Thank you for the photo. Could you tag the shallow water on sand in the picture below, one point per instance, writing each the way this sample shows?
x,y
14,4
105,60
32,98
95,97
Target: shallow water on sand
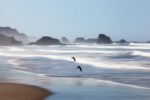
x,y
104,92
77,88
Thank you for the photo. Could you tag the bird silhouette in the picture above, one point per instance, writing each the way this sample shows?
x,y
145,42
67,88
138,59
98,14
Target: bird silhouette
x,y
79,67
74,59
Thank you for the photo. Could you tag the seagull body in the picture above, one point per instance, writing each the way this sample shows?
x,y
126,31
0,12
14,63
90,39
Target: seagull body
x,y
74,59
79,67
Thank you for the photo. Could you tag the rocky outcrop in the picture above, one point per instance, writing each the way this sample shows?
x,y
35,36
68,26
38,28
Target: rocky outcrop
x,y
80,40
65,40
103,39
46,41
91,41
10,32
122,41
8,41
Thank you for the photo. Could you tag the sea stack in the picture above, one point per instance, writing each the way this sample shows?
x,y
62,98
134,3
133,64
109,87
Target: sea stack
x,y
79,40
46,40
122,41
91,40
65,40
8,41
103,39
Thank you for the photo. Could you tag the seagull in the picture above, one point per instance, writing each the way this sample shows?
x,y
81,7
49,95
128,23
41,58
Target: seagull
x,y
79,67
74,59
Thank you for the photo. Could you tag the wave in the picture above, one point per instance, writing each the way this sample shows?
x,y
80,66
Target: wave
x,y
140,53
16,49
109,64
98,61
95,63
130,54
77,51
130,46
139,44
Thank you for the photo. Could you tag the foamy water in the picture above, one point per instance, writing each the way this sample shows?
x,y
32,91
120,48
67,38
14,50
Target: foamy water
x,y
124,64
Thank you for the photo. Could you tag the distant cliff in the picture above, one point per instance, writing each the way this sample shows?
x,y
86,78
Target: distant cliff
x,y
10,32
8,41
46,40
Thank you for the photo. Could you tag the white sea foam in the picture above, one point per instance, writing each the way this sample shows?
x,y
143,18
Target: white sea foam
x,y
115,46
98,61
16,49
78,51
140,53
132,53
140,44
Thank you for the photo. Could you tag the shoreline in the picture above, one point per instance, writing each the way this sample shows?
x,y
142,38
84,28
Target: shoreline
x,y
15,91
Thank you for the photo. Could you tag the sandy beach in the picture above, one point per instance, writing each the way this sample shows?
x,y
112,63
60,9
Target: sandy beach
x,y
11,91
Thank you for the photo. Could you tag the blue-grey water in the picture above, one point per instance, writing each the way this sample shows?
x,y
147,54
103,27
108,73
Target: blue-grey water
x,y
110,72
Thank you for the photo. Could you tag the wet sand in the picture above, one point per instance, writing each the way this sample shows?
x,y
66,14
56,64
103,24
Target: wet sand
x,y
67,88
11,91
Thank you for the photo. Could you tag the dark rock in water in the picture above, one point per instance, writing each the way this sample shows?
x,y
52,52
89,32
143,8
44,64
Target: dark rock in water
x,y
8,31
80,40
103,39
91,41
122,41
46,41
8,41
65,40
148,42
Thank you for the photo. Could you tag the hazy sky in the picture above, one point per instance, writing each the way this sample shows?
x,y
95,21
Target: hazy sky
x,y
129,19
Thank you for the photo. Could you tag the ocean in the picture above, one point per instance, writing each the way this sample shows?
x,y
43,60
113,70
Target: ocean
x,y
107,69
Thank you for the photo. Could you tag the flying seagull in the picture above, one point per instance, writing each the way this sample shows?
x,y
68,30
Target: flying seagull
x,y
74,59
79,67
